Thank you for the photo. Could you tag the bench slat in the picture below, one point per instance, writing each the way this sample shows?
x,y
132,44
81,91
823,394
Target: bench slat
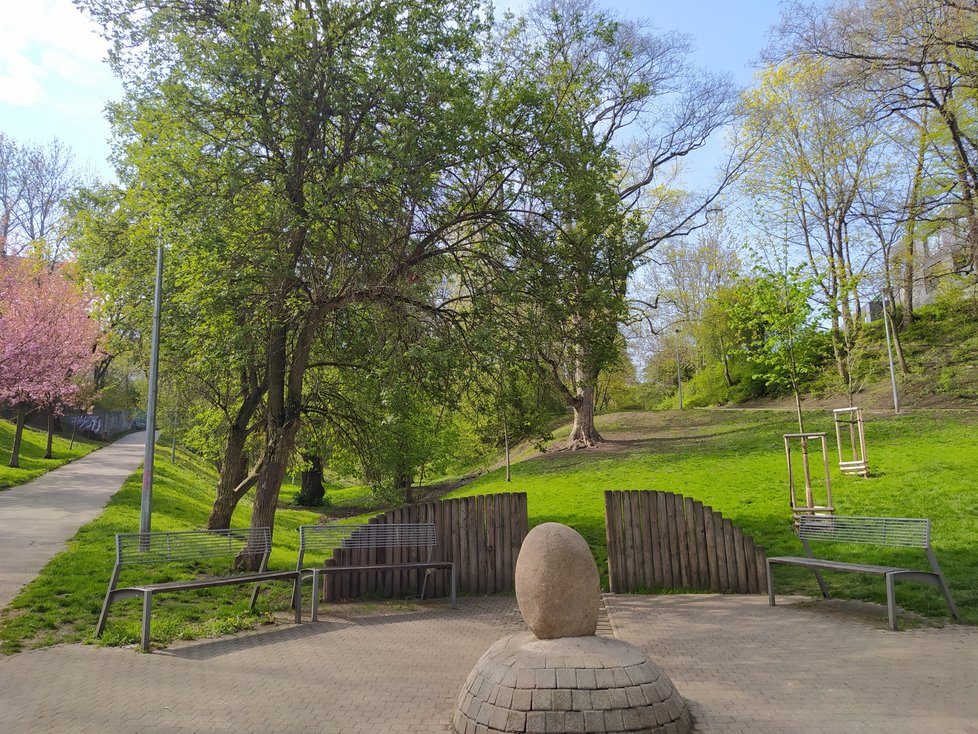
x,y
900,532
204,583
835,565
189,545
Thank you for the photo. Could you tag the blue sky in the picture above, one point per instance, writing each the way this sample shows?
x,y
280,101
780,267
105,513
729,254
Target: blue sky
x,y
53,82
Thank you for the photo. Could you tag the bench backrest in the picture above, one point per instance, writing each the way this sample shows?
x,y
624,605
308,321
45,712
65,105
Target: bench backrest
x,y
324,538
906,532
190,545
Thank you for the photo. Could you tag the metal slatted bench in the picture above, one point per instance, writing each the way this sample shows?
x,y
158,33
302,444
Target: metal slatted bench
x,y
322,539
185,547
894,532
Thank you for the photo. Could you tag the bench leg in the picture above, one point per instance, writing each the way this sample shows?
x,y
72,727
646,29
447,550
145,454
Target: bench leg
x,y
104,615
315,596
942,582
147,613
947,597
770,585
297,598
821,583
891,601
254,597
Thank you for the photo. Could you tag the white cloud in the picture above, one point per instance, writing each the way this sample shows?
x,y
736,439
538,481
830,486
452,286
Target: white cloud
x,y
53,80
20,81
45,44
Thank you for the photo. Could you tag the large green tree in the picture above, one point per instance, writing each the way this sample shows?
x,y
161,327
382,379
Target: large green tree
x,y
615,107
309,156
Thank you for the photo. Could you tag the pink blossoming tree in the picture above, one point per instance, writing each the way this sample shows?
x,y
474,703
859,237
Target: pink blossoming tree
x,y
47,342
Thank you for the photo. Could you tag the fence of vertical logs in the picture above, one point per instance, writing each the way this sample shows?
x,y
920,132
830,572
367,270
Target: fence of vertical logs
x,y
665,540
481,534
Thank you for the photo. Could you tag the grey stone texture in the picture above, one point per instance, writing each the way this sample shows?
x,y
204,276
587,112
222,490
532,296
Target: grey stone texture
x,y
561,680
557,583
743,667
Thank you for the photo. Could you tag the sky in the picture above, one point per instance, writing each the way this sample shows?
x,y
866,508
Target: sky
x,y
54,82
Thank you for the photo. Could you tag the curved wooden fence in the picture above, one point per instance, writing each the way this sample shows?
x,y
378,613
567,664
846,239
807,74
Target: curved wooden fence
x,y
481,534
665,540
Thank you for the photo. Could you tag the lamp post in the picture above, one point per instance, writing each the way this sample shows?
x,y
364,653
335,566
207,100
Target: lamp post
x,y
889,354
679,373
146,499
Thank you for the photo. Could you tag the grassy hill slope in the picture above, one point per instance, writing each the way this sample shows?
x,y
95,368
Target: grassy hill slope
x,y
63,603
923,465
32,463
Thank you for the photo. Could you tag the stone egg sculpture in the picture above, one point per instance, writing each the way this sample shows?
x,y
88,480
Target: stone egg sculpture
x,y
560,676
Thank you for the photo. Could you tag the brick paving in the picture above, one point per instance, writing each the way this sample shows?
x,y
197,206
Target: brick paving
x,y
800,668
743,666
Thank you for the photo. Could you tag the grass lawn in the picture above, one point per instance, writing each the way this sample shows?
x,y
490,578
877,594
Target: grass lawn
x,y
63,603
922,465
32,448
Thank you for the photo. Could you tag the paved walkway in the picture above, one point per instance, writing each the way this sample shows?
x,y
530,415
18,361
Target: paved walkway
x,y
38,517
743,666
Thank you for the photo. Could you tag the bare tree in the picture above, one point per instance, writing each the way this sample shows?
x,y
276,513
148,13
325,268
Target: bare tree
x,y
912,57
35,181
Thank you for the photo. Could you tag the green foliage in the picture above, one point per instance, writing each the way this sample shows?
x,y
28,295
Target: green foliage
x,y
775,325
32,449
63,603
922,466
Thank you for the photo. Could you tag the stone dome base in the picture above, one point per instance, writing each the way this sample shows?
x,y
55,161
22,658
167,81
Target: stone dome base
x,y
569,684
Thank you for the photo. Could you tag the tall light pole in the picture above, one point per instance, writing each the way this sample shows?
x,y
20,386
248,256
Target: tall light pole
x,y
889,354
146,500
679,373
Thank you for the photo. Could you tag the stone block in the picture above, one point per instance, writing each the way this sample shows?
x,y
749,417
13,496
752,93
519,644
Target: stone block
x,y
522,700
555,722
536,722
594,722
543,700
546,678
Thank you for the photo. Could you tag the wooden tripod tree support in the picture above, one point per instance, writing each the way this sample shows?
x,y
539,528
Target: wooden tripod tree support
x,y
808,506
852,418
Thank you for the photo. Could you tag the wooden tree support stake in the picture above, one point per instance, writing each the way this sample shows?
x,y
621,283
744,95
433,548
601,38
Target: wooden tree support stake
x,y
808,506
851,419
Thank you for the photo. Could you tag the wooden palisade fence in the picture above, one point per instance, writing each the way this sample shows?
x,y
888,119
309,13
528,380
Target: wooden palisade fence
x,y
481,534
665,540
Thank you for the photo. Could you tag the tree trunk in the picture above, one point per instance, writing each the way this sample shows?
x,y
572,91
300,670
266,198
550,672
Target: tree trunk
x,y
234,471
506,446
311,489
838,349
584,434
231,483
403,483
270,478
895,336
48,452
282,413
801,421
18,435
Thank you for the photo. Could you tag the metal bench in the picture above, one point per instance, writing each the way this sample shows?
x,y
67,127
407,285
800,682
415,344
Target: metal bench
x,y
185,547
322,539
895,532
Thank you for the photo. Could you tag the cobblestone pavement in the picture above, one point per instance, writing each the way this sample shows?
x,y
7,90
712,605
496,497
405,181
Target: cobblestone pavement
x,y
38,517
743,666
802,668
